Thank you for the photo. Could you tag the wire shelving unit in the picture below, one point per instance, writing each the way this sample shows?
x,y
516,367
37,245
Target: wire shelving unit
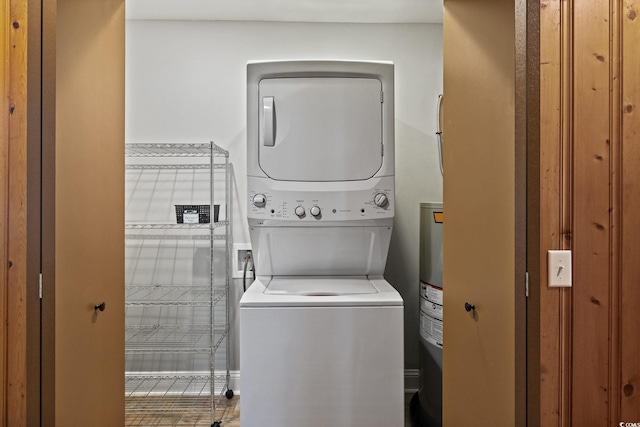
x,y
177,284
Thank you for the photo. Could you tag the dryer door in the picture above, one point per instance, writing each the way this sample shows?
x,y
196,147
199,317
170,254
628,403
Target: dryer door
x,y
320,129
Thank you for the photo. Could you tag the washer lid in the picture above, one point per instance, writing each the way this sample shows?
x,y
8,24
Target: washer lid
x,y
320,129
316,291
320,286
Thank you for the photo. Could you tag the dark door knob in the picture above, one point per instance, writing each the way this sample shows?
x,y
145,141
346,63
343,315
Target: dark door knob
x,y
100,306
469,307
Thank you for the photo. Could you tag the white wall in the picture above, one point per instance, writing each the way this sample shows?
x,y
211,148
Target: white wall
x,y
186,82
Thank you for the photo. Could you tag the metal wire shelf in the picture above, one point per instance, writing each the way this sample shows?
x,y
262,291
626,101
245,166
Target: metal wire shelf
x,y
171,166
172,338
173,231
182,384
172,295
175,399
174,150
131,236
173,226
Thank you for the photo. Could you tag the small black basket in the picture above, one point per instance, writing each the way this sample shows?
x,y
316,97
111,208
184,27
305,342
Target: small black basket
x,y
203,212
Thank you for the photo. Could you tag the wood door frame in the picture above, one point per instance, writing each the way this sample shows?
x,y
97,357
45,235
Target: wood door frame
x,y
550,350
34,208
48,325
526,96
533,192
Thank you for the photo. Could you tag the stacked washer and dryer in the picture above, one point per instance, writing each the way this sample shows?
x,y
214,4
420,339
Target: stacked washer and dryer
x,y
321,331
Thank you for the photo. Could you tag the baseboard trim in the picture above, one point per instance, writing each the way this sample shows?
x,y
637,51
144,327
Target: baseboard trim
x,y
234,382
410,381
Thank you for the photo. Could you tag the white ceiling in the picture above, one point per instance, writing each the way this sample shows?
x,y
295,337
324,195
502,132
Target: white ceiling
x,y
356,11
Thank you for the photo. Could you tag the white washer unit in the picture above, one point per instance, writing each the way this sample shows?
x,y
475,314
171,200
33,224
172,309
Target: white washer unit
x,y
321,331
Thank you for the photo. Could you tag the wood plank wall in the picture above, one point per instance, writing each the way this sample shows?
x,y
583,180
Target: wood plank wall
x,y
4,197
591,223
590,187
16,220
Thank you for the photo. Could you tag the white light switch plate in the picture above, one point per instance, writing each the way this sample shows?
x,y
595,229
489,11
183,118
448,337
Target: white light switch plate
x,y
559,269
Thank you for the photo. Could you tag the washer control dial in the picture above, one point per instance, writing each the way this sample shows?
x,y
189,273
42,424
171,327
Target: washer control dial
x,y
300,211
259,200
381,200
315,211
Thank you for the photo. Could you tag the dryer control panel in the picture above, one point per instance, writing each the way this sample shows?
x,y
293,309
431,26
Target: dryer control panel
x,y
374,202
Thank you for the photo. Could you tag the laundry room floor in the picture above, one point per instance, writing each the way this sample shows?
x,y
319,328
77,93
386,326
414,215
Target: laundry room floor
x,y
191,413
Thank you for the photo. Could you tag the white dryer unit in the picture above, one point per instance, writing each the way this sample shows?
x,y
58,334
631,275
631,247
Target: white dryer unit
x,y
321,331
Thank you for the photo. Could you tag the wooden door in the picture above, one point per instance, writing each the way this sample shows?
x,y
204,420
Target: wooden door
x,y
484,257
83,216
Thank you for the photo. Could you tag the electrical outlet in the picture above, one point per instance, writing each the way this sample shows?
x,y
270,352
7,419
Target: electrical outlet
x,y
559,269
239,254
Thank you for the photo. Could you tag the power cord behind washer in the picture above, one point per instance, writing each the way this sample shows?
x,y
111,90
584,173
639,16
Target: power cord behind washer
x,y
248,259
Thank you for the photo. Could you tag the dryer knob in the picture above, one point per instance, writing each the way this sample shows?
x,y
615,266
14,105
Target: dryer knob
x,y
300,211
381,200
259,200
315,211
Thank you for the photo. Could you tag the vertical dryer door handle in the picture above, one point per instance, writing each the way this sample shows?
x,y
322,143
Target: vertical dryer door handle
x,y
268,121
